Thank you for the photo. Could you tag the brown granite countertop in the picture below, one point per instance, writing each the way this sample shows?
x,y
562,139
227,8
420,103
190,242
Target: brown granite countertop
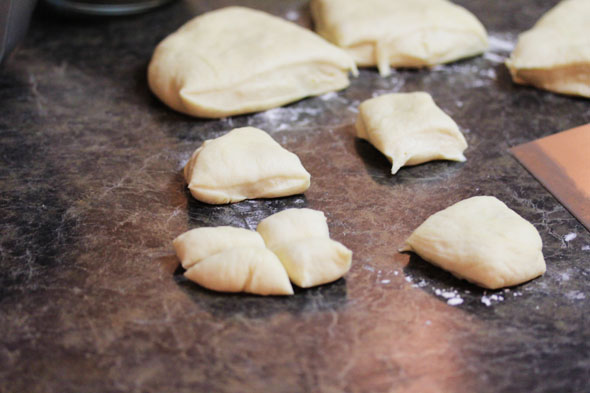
x,y
91,196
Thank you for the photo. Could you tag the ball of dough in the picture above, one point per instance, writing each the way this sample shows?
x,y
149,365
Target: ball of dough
x,y
481,240
555,54
242,269
400,33
237,60
409,129
245,163
197,244
301,240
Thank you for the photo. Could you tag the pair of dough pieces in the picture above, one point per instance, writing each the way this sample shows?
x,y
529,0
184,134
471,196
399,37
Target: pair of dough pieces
x,y
409,129
400,33
301,240
237,60
245,163
229,259
481,240
555,54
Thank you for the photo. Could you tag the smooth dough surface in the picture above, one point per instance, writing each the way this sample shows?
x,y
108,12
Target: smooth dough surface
x,y
301,240
400,33
245,163
197,244
481,240
237,60
409,129
242,269
555,54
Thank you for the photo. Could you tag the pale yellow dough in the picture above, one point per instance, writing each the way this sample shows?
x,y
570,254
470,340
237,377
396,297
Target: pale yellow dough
x,y
481,240
409,129
229,259
197,244
555,54
400,33
237,60
301,240
242,269
245,163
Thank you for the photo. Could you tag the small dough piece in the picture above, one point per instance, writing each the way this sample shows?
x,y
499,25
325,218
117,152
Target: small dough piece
x,y
237,60
409,129
400,33
245,163
291,225
197,244
555,54
242,269
481,240
314,261
301,240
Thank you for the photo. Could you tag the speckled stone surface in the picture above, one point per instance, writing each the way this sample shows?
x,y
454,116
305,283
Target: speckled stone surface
x,y
91,195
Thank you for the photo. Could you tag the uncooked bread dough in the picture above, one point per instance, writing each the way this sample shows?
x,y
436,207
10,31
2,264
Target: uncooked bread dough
x,y
245,163
481,240
231,259
197,244
237,60
301,240
242,269
409,129
400,33
555,54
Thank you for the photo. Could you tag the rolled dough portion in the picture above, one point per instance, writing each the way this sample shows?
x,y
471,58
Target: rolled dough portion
x,y
481,240
301,240
245,163
400,33
555,54
197,244
409,129
242,269
237,60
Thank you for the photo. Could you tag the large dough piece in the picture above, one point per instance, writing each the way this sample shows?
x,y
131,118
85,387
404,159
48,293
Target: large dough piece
x,y
481,240
245,163
301,240
231,259
237,60
555,54
400,33
409,129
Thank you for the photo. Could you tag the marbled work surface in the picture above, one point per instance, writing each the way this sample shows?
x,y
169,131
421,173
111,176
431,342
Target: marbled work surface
x,y
91,298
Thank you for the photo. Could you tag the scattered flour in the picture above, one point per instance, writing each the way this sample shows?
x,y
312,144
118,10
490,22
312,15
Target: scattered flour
x,y
576,295
501,43
455,301
385,281
570,236
489,300
585,248
292,15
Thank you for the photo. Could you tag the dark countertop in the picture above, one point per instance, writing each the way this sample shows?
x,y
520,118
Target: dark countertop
x,y
91,299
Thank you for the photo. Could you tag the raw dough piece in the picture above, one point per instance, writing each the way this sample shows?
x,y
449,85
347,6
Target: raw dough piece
x,y
237,60
409,129
197,244
555,54
400,33
301,240
231,259
245,163
244,269
481,240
